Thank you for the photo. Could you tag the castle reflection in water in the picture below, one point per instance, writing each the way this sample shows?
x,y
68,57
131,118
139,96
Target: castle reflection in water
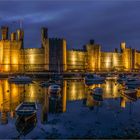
x,y
11,95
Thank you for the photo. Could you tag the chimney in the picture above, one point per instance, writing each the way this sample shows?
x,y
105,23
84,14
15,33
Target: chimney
x,y
4,30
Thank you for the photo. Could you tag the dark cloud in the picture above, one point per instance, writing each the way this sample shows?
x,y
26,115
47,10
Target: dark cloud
x,y
107,21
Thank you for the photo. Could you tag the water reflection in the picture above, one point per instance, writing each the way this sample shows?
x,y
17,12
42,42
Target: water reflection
x,y
75,90
12,95
110,89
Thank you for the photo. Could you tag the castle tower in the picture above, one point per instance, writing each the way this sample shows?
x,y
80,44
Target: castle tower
x,y
13,36
44,35
57,55
126,56
20,37
93,56
4,30
45,45
122,46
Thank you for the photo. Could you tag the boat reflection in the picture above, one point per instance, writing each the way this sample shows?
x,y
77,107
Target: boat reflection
x,y
91,102
25,125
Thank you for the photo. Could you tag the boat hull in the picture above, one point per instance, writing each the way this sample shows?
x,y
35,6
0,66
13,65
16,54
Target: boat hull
x,y
91,82
26,109
20,80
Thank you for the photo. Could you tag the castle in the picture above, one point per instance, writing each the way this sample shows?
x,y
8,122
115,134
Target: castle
x,y
53,56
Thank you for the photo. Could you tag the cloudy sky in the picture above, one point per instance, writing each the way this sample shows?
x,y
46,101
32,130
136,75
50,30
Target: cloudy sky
x,y
108,22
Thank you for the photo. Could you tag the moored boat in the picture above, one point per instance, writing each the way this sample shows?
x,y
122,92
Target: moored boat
x,y
133,81
20,79
26,108
57,77
47,83
93,79
112,76
54,91
54,88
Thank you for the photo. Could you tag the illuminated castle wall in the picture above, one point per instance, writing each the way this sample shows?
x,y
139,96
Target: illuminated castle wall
x,y
76,60
15,58
10,50
93,59
53,55
32,59
111,61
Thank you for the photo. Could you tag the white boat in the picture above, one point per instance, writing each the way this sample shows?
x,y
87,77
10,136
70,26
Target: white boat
x,y
20,79
112,76
98,94
93,79
54,88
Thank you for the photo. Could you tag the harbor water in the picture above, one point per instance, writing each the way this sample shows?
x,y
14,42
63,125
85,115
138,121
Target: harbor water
x,y
75,115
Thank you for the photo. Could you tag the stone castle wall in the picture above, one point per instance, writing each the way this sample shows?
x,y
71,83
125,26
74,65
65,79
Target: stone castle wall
x,y
53,56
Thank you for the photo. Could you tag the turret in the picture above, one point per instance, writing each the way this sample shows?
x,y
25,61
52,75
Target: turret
x,y
122,46
4,30
44,35
13,36
20,36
